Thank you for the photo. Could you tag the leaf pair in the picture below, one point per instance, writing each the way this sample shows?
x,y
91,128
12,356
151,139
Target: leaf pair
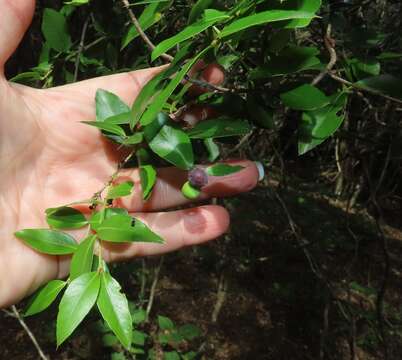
x,y
82,294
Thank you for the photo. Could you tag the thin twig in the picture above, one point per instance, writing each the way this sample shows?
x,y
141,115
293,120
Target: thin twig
x,y
141,32
360,88
220,297
80,48
17,315
153,287
330,46
169,58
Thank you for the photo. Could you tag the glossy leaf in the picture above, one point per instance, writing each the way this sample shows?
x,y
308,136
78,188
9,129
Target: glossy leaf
x,y
110,128
174,146
120,190
157,105
135,139
54,28
317,125
385,84
305,97
148,180
189,32
78,299
223,169
212,148
118,228
108,104
65,218
150,91
263,18
198,9
44,297
119,119
48,241
113,306
97,218
220,127
82,259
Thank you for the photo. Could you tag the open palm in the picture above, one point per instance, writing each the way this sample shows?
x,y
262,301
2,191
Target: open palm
x,y
49,158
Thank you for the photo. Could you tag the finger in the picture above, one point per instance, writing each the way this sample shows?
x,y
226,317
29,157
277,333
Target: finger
x,y
16,15
213,74
80,96
178,228
167,190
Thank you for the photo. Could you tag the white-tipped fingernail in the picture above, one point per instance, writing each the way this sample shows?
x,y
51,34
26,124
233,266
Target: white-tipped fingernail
x,y
261,170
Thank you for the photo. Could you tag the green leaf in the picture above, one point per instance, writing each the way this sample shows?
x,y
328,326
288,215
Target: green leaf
x,y
139,316
212,148
48,241
135,139
385,84
54,28
157,105
119,119
118,228
139,338
113,306
263,18
148,180
189,191
108,104
189,331
76,303
97,218
171,355
223,169
189,32
317,125
290,60
111,128
220,127
174,146
364,68
198,9
42,299
65,218
77,2
120,190
165,323
305,97
82,259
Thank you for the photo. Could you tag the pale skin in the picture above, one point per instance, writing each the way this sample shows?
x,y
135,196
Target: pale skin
x,y
48,158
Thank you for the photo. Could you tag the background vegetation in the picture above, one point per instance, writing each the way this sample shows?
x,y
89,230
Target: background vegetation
x,y
312,266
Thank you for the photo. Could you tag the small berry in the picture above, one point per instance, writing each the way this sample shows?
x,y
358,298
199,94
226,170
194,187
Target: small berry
x,y
198,178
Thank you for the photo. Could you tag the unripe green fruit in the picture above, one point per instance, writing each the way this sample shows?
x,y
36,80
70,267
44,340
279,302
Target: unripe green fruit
x,y
189,191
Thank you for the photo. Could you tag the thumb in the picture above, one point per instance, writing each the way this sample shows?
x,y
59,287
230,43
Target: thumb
x,y
15,17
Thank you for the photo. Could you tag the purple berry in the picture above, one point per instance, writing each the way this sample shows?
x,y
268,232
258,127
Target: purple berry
x,y
198,178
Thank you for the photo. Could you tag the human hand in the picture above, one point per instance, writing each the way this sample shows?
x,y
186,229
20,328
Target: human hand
x,y
48,158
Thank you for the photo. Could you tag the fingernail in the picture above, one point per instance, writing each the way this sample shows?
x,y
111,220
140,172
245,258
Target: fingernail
x,y
261,170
